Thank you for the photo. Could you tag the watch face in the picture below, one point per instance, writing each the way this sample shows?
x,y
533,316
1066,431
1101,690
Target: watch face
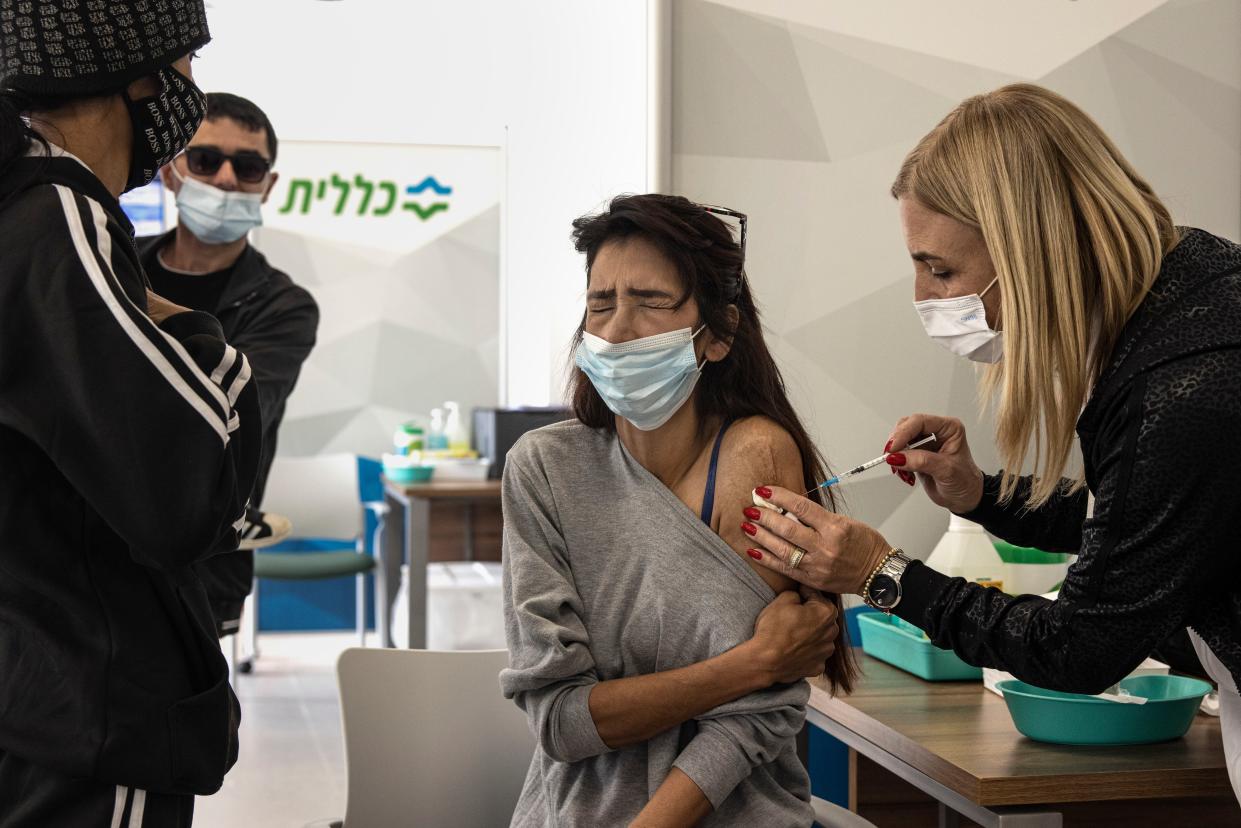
x,y
885,591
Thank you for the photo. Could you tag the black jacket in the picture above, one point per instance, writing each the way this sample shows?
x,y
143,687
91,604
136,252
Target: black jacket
x,y
273,322
127,453
1160,553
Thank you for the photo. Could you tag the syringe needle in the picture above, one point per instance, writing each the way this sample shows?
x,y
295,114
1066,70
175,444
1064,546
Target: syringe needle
x,y
870,464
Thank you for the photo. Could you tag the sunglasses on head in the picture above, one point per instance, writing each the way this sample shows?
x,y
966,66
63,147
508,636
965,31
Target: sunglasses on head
x,y
206,161
743,220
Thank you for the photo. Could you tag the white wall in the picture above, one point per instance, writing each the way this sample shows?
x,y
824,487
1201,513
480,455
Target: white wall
x,y
560,85
799,113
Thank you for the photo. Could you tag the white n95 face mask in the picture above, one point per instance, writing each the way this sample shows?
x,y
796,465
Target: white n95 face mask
x,y
644,380
213,215
960,325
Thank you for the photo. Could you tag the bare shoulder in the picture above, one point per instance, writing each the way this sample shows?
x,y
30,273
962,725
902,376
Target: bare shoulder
x,y
755,452
758,451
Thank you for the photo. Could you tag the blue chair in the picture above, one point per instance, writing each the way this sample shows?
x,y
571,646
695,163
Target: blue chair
x,y
320,496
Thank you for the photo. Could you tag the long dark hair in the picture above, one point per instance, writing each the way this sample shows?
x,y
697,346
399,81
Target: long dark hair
x,y
746,382
16,135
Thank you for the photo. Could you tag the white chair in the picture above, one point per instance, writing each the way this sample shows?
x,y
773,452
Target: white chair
x,y
829,815
429,739
319,495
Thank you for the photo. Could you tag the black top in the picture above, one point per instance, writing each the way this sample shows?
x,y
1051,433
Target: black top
x,y
197,291
270,319
127,454
708,495
1161,551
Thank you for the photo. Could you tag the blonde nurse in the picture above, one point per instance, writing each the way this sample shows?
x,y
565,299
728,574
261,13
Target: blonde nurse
x,y
1039,250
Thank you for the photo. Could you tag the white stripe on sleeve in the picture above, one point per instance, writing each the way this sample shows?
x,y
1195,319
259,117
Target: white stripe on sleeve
x,y
144,344
135,812
243,376
118,810
230,356
101,232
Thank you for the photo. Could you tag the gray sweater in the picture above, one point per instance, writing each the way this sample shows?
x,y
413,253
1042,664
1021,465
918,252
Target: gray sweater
x,y
606,575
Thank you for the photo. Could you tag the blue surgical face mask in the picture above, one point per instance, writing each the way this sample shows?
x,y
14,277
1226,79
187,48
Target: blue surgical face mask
x,y
645,380
213,215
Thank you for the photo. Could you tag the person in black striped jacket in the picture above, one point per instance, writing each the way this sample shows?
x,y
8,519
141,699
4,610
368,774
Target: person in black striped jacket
x,y
129,434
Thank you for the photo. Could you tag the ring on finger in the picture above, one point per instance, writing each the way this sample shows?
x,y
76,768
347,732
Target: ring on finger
x,y
795,558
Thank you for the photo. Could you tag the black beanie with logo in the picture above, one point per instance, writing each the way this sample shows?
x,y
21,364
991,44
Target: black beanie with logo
x,y
72,48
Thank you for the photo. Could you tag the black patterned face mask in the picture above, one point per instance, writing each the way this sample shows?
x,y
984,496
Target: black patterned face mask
x,y
163,124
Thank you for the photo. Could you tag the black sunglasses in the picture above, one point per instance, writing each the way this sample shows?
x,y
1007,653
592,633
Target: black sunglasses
x,y
206,161
743,221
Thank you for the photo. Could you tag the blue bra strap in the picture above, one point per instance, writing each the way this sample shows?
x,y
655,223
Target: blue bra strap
x,y
708,497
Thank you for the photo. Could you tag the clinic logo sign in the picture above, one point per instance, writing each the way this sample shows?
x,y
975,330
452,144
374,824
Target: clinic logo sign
x,y
360,196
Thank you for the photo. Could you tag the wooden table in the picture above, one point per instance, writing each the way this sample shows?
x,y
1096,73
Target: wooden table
x,y
956,742
406,535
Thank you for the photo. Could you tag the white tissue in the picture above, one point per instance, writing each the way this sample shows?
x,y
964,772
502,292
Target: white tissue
x,y
767,504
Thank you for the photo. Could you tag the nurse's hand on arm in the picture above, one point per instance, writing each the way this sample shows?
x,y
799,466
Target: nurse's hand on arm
x,y
841,552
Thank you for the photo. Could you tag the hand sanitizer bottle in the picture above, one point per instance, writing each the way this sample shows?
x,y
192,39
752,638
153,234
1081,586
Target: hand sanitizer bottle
x,y
437,436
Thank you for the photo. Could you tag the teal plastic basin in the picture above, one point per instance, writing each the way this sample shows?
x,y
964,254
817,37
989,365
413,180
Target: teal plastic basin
x,y
409,474
1073,719
903,645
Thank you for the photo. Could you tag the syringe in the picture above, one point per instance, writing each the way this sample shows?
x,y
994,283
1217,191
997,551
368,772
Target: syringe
x,y
870,464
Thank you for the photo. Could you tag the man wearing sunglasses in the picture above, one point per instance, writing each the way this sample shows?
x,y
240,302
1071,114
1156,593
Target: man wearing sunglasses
x,y
207,263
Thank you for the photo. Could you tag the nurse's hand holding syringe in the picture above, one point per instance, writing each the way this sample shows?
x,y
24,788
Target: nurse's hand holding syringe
x,y
948,473
870,464
836,553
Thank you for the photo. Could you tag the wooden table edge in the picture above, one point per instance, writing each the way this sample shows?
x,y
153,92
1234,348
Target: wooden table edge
x,y
932,766
1002,791
446,489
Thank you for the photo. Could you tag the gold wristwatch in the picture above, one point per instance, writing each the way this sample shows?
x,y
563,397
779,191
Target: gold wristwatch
x,y
883,588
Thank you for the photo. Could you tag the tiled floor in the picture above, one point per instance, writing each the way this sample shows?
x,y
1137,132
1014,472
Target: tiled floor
x,y
291,771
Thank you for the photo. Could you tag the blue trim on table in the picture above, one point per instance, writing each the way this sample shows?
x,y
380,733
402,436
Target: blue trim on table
x,y
829,757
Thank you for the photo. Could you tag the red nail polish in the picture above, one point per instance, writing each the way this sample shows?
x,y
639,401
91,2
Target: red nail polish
x,y
755,554
750,529
752,513
888,447
908,477
763,491
896,459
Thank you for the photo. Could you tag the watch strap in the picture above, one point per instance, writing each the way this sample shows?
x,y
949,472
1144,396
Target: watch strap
x,y
883,567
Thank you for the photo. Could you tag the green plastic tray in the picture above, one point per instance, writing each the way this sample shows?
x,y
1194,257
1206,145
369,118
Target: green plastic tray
x,y
1027,554
1072,719
889,639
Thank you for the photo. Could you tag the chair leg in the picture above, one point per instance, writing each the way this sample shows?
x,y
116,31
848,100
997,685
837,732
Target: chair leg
x,y
383,607
361,608
248,664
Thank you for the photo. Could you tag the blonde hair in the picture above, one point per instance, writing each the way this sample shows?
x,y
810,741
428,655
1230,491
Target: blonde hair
x,y
1076,237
